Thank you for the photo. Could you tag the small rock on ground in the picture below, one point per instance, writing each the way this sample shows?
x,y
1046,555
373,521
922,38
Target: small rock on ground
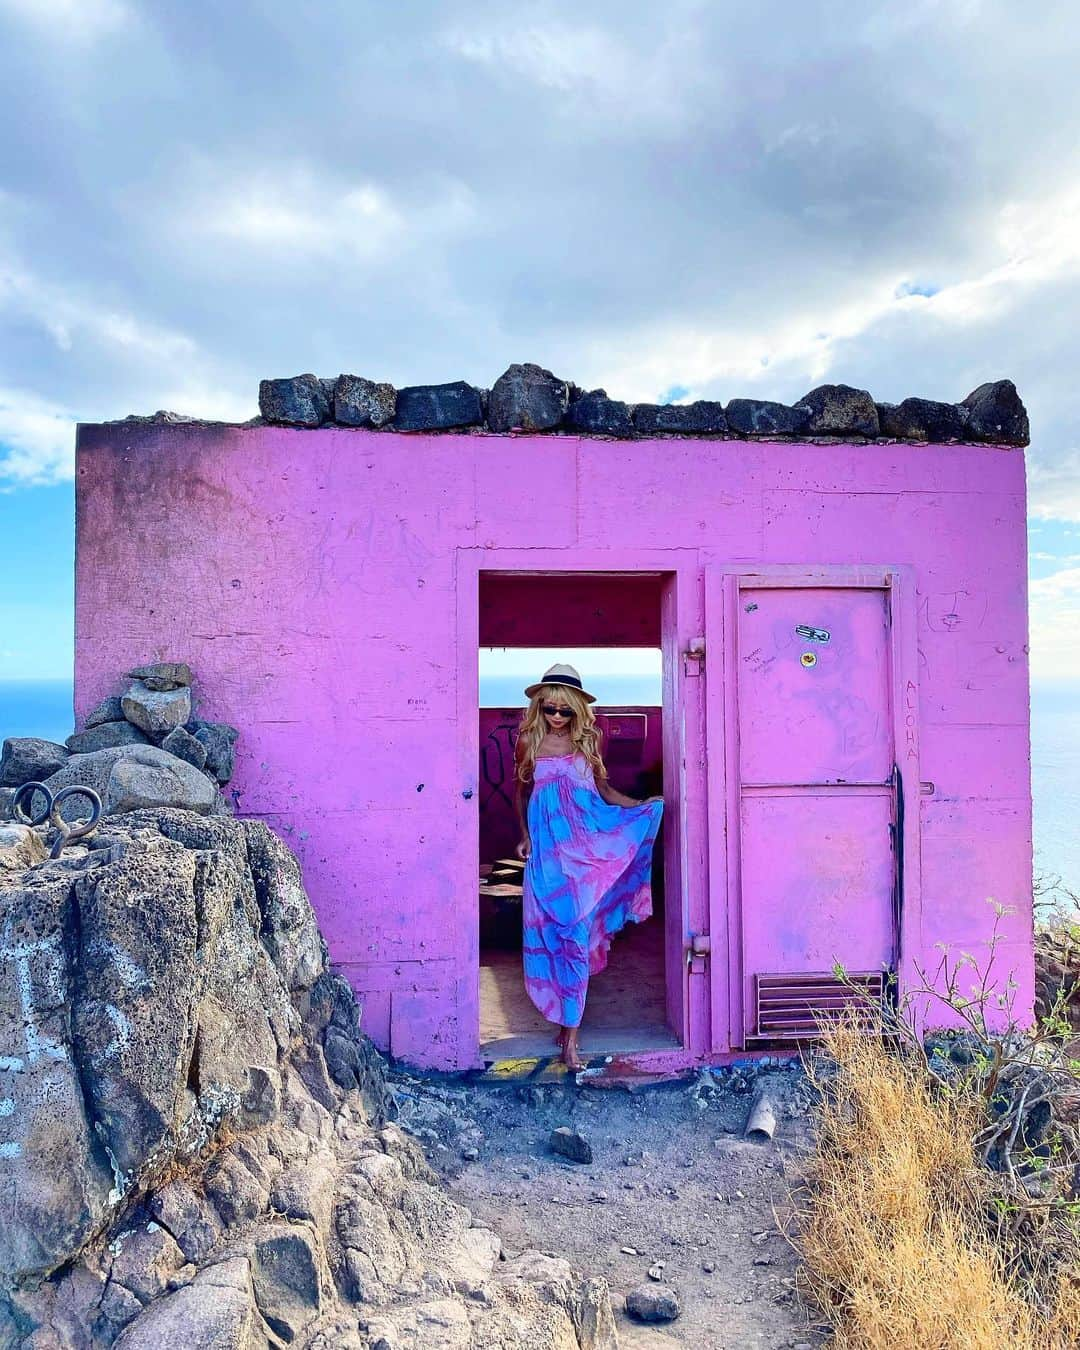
x,y
653,1303
571,1144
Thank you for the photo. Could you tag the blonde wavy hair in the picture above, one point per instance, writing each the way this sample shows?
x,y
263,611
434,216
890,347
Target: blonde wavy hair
x,y
584,733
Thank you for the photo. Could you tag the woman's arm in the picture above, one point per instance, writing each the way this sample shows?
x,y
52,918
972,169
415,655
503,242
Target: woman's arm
x,y
521,804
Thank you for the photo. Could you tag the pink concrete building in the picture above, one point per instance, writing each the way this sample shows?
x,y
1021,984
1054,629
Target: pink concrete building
x,y
842,741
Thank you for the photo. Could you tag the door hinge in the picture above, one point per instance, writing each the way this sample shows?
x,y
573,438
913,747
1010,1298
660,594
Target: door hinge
x,y
694,656
698,950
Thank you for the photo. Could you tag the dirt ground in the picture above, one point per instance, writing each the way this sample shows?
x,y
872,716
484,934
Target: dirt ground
x,y
673,1186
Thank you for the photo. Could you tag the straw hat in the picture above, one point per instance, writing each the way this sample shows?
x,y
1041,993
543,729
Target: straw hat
x,y
559,674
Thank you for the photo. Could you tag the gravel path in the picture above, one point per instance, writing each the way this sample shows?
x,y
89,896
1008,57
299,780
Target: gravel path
x,y
673,1187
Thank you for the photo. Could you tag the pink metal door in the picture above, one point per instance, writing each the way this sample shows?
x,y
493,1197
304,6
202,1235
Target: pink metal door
x,y
815,797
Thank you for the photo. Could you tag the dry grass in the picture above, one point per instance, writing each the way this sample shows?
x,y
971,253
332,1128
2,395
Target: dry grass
x,y
898,1234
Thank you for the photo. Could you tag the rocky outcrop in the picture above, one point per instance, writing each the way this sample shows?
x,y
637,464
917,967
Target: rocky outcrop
x,y
528,398
140,749
193,1142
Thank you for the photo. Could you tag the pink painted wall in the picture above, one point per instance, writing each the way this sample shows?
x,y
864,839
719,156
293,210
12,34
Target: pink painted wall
x,y
325,588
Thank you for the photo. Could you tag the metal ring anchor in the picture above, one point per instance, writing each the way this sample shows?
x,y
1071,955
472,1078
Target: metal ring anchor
x,y
20,815
51,812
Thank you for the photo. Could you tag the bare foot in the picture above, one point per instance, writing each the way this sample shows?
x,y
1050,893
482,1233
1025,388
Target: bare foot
x,y
570,1056
560,1039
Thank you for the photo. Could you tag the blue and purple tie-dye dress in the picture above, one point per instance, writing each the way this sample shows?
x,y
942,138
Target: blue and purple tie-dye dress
x,y
587,875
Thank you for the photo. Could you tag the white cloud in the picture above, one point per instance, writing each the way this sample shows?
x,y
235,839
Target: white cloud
x,y
37,437
299,214
70,20
1054,488
37,440
637,196
204,399
70,319
891,21
296,217
582,58
616,75
1036,243
1055,625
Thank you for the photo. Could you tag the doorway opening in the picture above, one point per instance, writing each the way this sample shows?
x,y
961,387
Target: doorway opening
x,y
609,627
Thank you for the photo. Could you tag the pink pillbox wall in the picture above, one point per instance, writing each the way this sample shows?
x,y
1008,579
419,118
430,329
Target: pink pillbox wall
x,y
845,720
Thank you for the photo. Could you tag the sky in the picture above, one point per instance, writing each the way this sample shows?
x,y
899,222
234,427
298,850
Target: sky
x,y
672,201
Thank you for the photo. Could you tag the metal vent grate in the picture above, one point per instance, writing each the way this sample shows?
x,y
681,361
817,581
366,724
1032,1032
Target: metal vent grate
x,y
790,1007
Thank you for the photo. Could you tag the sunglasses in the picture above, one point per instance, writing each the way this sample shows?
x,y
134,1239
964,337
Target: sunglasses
x,y
552,711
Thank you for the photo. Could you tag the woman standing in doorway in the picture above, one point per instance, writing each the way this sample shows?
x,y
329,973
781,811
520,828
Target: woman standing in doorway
x,y
588,851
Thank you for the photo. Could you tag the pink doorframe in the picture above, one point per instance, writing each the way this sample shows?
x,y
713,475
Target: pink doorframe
x,y
723,588
686,877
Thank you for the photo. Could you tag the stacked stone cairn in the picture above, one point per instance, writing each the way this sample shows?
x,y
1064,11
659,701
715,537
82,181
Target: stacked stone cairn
x,y
196,1143
528,398
140,748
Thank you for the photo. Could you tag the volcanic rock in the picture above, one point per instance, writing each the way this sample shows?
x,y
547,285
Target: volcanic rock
x,y
571,1144
363,403
300,401
759,417
527,397
921,419
163,676
437,407
688,419
108,710
105,736
839,410
596,414
653,1303
218,739
170,1178
997,414
128,778
184,745
28,759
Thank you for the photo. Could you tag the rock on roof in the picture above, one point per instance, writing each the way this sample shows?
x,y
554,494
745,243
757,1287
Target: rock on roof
x,y
528,398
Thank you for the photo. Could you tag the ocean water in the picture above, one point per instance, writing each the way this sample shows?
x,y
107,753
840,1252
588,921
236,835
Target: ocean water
x,y
36,708
44,708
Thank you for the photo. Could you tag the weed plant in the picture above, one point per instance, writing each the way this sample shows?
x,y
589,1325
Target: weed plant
x,y
942,1204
